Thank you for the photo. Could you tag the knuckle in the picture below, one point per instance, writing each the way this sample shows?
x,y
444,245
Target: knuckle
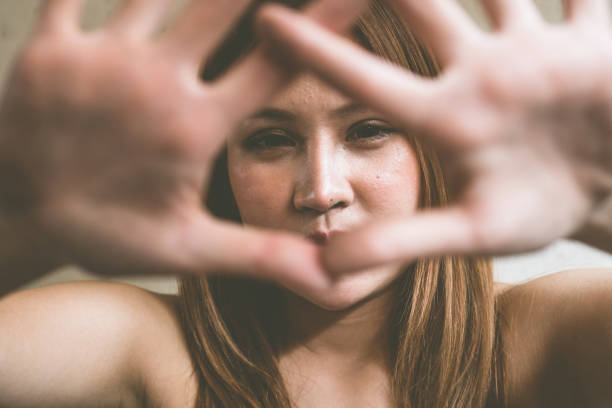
x,y
262,255
489,233
483,237
41,70
41,56
375,244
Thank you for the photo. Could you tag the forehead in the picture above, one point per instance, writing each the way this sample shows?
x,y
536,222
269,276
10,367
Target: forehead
x,y
308,93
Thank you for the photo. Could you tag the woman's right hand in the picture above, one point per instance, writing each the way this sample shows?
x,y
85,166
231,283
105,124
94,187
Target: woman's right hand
x,y
107,138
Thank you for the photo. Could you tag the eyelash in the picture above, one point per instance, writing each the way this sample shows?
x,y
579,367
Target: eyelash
x,y
382,132
264,139
258,140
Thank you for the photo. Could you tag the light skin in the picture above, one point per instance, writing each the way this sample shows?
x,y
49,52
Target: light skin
x,y
316,164
104,153
313,163
64,197
504,116
512,165
125,346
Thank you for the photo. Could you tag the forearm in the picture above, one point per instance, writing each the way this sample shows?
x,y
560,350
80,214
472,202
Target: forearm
x,y
597,231
23,255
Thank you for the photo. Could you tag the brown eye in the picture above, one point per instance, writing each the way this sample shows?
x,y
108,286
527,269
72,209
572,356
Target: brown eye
x,y
269,139
366,132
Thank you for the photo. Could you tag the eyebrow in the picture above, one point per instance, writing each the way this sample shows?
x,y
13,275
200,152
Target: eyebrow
x,y
275,114
283,115
350,109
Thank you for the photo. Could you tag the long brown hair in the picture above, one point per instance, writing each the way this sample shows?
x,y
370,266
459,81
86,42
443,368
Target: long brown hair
x,y
444,340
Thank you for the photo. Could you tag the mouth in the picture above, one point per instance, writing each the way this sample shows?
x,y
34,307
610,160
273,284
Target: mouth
x,y
321,237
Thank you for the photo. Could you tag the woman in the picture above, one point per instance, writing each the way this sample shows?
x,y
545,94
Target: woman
x,y
389,336
321,165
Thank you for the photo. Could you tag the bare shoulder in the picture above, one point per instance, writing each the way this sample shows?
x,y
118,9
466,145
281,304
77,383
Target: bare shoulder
x,y
558,339
564,298
164,362
96,340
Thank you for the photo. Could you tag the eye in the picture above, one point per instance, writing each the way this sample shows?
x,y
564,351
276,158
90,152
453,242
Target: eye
x,y
368,132
268,139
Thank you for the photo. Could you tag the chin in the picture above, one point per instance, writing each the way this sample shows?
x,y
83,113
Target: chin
x,y
357,289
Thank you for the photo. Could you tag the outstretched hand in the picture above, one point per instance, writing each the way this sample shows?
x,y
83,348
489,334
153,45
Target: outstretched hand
x,y
521,118
107,139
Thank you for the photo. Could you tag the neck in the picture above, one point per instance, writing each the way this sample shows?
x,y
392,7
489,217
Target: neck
x,y
355,336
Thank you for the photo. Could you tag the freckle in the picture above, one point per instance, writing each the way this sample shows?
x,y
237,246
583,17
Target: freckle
x,y
377,177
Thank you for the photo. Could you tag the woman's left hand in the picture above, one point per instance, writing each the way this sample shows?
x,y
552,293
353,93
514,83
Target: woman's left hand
x,y
521,117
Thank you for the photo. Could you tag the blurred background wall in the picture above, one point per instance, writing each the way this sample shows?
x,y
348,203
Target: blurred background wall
x,y
18,16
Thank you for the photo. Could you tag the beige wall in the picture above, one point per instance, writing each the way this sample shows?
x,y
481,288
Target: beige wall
x,y
16,18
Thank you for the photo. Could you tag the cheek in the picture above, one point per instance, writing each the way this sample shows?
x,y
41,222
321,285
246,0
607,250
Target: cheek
x,y
390,181
261,192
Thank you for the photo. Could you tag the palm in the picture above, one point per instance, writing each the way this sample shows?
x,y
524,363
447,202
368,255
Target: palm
x,y
504,116
112,135
508,142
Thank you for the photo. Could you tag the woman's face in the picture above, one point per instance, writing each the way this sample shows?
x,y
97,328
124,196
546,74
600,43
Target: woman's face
x,y
315,163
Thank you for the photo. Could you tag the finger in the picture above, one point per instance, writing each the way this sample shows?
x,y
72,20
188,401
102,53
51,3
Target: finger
x,y
587,11
336,15
512,13
190,244
247,86
201,26
262,74
436,232
138,18
441,24
350,68
286,259
60,15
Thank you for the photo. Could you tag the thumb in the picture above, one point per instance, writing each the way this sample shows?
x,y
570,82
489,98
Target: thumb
x,y
428,233
289,260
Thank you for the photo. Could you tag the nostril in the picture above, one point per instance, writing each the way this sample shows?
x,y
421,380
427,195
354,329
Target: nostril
x,y
320,205
339,204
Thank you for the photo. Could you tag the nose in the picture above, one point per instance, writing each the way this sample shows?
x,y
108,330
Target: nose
x,y
323,183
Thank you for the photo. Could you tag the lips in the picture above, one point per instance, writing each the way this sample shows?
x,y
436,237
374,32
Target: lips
x,y
321,237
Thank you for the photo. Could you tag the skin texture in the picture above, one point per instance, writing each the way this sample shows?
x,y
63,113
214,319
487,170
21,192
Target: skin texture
x,y
504,116
316,164
104,154
558,343
89,149
115,345
327,165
